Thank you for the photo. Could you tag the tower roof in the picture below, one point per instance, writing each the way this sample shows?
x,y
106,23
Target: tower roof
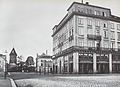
x,y
13,52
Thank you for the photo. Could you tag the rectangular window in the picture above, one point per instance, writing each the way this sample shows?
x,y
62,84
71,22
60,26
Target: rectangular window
x,y
105,33
80,42
81,10
97,31
89,11
104,14
112,25
106,44
80,30
90,31
97,23
118,26
89,22
118,45
105,25
112,44
80,21
97,12
112,35
91,43
118,36
41,64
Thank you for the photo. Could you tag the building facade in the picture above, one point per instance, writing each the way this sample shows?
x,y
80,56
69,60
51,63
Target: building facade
x,y
87,40
44,63
2,62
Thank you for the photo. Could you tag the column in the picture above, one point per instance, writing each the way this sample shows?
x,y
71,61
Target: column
x,y
68,65
75,62
110,63
94,63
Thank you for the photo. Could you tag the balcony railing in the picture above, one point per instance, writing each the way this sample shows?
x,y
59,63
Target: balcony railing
x,y
94,37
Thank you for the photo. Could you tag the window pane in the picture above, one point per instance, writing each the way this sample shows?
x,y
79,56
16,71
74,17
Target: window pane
x,y
119,36
112,35
112,25
80,21
89,22
80,42
80,30
118,26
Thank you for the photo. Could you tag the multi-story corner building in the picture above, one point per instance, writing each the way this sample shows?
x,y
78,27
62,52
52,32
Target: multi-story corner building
x,y
87,40
44,63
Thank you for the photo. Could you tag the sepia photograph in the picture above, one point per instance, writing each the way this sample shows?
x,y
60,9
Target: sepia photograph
x,y
59,43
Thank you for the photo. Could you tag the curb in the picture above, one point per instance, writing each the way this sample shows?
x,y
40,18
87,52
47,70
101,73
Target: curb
x,y
13,84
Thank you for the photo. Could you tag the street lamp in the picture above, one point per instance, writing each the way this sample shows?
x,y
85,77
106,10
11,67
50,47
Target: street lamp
x,y
5,66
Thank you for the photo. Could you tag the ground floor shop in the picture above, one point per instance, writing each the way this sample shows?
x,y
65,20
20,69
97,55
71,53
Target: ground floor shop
x,y
85,62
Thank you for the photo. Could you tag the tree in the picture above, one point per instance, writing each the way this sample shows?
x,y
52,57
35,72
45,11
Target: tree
x,y
30,61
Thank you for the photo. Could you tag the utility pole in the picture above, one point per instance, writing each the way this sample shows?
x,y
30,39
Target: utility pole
x,y
5,65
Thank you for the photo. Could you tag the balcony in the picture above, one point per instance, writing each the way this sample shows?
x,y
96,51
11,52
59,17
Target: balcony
x,y
94,37
60,44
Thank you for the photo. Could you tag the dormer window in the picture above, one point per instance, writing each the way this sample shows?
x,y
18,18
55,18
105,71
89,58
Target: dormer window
x,y
103,14
81,10
97,12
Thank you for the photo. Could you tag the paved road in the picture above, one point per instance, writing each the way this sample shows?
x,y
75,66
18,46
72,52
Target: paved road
x,y
20,75
35,80
4,82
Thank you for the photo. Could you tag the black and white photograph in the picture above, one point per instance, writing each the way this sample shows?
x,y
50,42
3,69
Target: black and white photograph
x,y
59,43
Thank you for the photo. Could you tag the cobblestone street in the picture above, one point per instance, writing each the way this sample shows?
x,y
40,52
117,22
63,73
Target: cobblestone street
x,y
72,81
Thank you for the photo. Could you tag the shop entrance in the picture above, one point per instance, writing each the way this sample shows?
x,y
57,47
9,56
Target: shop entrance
x,y
70,68
85,68
103,67
116,68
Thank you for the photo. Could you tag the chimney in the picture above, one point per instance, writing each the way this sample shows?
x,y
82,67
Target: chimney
x,y
82,1
87,3
46,52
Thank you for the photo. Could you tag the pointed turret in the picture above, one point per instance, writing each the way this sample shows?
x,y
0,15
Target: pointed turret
x,y
13,52
13,57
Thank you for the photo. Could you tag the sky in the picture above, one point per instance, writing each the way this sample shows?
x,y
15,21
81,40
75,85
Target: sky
x,y
27,25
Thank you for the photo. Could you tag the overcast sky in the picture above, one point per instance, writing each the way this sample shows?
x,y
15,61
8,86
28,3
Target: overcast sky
x,y
27,25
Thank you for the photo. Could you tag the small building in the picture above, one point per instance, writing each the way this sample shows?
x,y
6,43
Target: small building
x,y
12,61
44,63
13,57
2,63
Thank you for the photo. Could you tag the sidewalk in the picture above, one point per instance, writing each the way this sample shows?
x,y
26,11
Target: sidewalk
x,y
5,82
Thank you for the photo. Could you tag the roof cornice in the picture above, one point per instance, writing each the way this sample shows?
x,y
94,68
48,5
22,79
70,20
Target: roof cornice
x,y
66,18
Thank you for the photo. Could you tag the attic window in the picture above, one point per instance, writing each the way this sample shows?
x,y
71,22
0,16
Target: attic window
x,y
103,13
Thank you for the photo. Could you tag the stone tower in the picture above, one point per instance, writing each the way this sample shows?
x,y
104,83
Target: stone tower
x,y
13,57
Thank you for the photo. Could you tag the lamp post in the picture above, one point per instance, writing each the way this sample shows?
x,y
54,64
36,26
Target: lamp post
x,y
5,66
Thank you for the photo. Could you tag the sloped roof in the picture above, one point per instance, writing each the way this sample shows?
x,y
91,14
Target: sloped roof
x,y
44,56
13,52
